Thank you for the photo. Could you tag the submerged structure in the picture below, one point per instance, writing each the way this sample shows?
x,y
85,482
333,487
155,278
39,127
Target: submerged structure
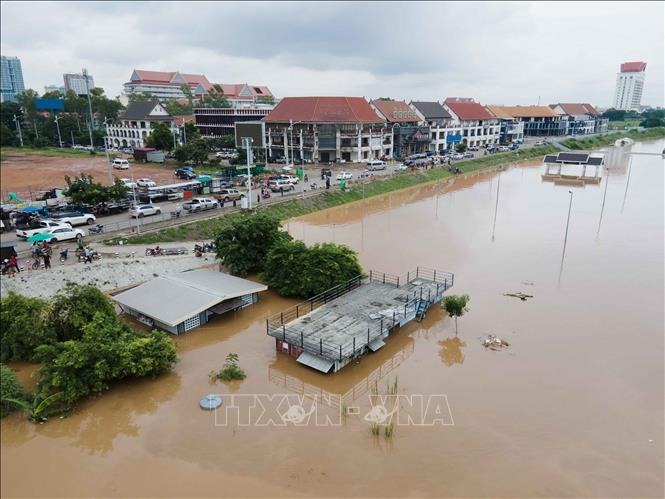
x,y
556,162
348,321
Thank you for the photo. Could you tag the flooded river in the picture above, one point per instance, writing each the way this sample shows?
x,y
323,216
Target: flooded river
x,y
573,407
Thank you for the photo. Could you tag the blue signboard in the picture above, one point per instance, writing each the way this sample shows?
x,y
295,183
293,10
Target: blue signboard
x,y
50,104
453,138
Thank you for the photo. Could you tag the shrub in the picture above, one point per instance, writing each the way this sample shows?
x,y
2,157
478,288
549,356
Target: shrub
x,y
10,388
24,327
231,370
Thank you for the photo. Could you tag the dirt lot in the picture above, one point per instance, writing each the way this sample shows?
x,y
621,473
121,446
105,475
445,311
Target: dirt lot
x,y
24,173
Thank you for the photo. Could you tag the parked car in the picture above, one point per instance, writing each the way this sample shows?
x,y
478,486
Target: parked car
x,y
121,164
473,148
129,183
280,160
227,195
468,155
145,182
280,185
401,167
326,172
186,173
539,143
74,217
458,156
200,204
65,234
144,210
504,148
293,179
518,141
376,164
43,226
287,168
344,176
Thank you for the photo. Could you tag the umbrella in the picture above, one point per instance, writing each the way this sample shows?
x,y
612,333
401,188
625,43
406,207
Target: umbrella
x,y
210,402
40,237
32,209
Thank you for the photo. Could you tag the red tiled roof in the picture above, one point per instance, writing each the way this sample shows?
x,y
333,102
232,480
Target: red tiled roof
x,y
575,109
233,90
633,67
396,111
466,109
323,110
164,78
507,112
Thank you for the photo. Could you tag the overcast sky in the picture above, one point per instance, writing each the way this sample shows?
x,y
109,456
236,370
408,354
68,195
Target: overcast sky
x,y
498,53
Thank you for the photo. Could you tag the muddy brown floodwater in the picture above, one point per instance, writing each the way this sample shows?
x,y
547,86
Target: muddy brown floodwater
x,y
573,407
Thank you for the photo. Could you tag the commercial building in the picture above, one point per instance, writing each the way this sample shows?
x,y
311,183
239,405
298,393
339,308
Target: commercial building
x,y
512,128
166,85
135,124
54,88
11,78
581,119
216,121
438,120
409,135
178,303
327,129
77,83
538,121
629,87
243,95
471,122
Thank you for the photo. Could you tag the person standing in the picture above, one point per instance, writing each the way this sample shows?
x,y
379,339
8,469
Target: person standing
x,y
47,260
14,263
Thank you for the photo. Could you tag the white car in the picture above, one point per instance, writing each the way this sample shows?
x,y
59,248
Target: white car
x,y
65,234
44,226
376,164
344,176
458,155
287,168
401,167
129,183
200,204
74,218
121,164
292,179
145,182
144,210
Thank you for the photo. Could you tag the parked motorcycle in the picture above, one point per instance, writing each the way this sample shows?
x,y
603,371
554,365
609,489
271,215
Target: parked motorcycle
x,y
97,229
199,249
157,251
63,255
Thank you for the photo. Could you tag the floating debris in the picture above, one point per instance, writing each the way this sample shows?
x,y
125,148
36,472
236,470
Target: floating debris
x,y
520,295
494,342
210,402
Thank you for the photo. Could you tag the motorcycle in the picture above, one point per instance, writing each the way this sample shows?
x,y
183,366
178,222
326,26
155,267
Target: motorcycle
x,y
63,255
153,251
199,249
97,229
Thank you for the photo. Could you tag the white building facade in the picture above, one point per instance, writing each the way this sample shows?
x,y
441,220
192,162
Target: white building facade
x,y
77,83
629,87
472,123
136,124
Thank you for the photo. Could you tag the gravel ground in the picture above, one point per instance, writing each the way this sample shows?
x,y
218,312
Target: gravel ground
x,y
111,272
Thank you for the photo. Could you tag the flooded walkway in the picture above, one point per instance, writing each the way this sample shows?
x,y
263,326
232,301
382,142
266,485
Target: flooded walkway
x,y
574,407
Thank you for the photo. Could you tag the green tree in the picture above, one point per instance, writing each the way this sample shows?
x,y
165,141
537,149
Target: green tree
x,y
292,269
160,137
27,102
243,245
215,97
101,104
24,327
75,104
84,190
8,137
140,96
614,114
266,99
10,389
175,108
461,147
53,94
231,370
192,133
456,306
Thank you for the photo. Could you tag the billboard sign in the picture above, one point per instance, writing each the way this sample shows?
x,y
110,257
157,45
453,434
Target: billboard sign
x,y
254,129
50,104
454,138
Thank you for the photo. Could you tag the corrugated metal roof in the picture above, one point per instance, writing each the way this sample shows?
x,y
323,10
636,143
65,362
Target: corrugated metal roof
x,y
172,298
316,362
431,110
323,110
376,344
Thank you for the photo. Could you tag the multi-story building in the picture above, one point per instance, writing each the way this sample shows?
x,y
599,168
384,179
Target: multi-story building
x,y
327,129
242,95
215,121
474,124
438,120
77,83
410,136
134,126
629,87
166,85
538,121
512,128
11,78
581,119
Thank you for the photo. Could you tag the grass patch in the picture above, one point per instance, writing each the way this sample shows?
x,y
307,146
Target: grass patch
x,y
609,139
206,229
41,151
622,125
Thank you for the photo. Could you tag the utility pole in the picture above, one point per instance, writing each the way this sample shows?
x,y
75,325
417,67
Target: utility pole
x,y
247,143
106,150
18,128
87,88
72,134
58,127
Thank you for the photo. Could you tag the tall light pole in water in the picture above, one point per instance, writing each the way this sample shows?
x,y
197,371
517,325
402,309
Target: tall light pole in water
x,y
496,206
602,208
247,143
565,239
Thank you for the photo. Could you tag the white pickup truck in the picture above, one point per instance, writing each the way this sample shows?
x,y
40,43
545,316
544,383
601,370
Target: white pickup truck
x,y
44,226
200,204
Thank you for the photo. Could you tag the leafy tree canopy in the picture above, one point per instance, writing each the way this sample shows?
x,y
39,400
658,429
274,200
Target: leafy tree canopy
x,y
160,137
84,190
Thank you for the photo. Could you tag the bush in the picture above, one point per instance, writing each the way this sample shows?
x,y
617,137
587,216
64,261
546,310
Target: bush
x,y
231,370
293,269
10,388
243,245
74,307
24,327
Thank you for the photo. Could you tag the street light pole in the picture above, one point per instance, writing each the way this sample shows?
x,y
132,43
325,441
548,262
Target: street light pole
x,y
247,142
602,208
106,150
87,88
18,128
58,127
570,205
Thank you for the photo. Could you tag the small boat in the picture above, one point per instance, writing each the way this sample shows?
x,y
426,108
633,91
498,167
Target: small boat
x,y
624,142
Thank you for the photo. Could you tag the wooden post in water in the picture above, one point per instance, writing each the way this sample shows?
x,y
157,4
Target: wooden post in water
x,y
354,345
302,342
340,353
321,346
368,336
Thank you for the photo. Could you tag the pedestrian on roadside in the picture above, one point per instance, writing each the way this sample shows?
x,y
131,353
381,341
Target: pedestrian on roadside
x,y
47,261
88,255
306,178
14,263
258,197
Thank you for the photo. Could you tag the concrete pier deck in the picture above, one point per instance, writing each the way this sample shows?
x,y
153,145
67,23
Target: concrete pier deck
x,y
329,330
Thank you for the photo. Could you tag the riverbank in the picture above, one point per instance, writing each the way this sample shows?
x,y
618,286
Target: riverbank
x,y
611,138
206,229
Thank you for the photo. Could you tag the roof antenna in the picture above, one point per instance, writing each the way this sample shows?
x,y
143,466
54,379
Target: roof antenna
x,y
539,100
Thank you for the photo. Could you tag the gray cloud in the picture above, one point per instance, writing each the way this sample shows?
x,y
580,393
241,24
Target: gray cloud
x,y
510,53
